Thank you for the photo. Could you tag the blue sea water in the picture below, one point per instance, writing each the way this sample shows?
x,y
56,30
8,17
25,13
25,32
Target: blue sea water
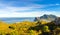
x,y
13,20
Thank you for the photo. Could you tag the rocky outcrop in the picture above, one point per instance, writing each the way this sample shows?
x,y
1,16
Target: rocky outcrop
x,y
57,21
45,17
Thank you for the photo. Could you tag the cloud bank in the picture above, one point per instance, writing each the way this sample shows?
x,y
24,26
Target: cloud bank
x,y
26,9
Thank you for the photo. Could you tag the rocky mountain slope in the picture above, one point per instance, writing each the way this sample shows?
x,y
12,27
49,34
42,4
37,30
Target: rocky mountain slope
x,y
46,17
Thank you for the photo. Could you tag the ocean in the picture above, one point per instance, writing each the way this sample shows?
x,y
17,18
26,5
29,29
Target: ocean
x,y
17,19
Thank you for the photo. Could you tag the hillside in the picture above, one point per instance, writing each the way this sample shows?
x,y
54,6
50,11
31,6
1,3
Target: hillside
x,y
37,27
29,28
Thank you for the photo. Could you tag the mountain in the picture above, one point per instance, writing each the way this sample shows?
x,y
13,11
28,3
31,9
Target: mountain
x,y
46,17
57,21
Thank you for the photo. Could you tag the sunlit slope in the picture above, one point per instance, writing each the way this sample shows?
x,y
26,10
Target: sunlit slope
x,y
3,25
29,28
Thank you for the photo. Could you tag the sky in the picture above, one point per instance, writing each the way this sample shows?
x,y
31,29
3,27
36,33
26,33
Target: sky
x,y
29,8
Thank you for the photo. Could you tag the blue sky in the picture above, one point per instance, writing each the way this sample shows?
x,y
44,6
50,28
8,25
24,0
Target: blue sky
x,y
29,8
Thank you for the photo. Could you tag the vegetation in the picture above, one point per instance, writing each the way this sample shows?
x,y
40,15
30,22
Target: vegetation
x,y
29,28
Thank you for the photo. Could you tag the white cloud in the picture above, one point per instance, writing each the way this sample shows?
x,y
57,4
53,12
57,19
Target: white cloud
x,y
8,11
26,14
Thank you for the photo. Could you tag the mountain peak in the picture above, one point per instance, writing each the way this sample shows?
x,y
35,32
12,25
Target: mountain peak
x,y
47,17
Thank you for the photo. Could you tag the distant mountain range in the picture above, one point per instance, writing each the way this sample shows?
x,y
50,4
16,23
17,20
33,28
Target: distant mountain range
x,y
46,17
17,19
